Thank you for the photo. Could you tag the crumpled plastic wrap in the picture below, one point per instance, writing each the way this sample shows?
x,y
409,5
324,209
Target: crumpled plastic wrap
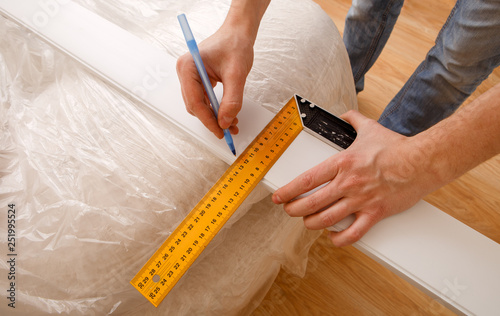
x,y
298,47
99,181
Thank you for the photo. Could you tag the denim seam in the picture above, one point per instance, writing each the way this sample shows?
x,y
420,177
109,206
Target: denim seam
x,y
373,46
397,103
445,25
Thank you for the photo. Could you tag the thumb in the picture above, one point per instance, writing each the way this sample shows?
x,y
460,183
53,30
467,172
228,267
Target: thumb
x,y
354,118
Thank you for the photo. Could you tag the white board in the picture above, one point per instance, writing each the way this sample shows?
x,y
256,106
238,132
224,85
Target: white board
x,y
429,248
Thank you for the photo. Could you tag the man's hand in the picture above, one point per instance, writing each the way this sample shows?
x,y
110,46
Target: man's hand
x,y
228,59
380,174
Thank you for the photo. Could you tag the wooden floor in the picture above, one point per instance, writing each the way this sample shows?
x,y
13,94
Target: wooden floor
x,y
345,281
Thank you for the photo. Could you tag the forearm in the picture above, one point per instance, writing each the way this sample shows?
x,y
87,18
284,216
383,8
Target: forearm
x,y
462,141
245,16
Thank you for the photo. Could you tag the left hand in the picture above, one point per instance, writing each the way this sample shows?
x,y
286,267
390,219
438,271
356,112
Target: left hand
x,y
382,173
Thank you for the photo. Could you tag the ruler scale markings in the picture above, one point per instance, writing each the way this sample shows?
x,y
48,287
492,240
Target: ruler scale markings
x,y
167,265
174,257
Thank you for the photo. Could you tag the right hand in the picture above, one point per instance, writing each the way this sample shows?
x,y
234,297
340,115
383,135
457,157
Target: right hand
x,y
381,174
228,58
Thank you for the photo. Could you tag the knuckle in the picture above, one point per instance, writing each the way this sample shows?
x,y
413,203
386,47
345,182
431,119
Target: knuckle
x,y
353,236
307,181
327,219
231,107
376,216
345,160
312,203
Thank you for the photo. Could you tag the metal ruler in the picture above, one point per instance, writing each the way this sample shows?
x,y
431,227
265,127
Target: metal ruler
x,y
169,263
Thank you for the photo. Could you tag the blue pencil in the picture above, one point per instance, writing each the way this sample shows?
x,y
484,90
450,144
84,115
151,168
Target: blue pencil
x,y
193,49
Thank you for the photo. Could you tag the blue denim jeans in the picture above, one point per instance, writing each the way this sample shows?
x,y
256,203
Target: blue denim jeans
x,y
466,51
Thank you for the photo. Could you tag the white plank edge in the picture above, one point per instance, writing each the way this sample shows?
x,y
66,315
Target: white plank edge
x,y
432,250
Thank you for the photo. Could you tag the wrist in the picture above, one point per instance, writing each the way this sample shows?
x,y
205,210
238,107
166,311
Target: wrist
x,y
243,18
429,155
412,166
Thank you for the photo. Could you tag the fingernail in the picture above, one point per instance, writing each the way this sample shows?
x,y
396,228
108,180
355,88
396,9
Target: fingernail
x,y
276,199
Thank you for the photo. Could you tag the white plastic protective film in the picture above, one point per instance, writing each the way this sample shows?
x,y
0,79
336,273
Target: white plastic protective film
x,y
99,180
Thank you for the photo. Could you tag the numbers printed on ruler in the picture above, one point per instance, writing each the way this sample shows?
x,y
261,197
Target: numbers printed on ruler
x,y
185,244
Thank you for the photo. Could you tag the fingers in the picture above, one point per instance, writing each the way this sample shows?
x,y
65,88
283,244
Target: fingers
x,y
313,203
194,95
329,216
307,181
197,103
334,214
360,181
234,128
362,224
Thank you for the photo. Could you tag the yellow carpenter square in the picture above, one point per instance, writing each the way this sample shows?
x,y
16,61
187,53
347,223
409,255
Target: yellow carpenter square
x,y
169,263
